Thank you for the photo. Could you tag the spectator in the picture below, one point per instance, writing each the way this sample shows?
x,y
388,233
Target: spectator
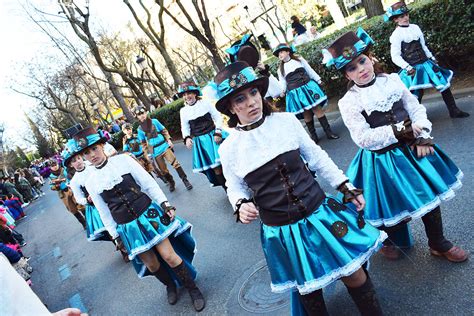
x,y
11,189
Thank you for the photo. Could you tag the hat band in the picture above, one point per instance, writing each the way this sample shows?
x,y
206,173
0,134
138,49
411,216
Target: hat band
x,y
88,141
236,81
235,49
391,13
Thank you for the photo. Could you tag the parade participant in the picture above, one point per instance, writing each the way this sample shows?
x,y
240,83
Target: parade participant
x,y
201,127
419,68
403,173
138,215
303,93
133,145
300,35
58,183
309,239
245,50
156,138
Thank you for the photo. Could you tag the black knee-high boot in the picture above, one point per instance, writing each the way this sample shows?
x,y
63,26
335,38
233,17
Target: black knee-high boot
x,y
434,231
186,279
184,178
221,180
454,111
419,94
314,304
312,131
80,217
323,120
164,277
365,299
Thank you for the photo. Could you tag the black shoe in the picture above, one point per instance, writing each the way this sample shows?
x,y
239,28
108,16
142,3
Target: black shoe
x,y
457,113
187,184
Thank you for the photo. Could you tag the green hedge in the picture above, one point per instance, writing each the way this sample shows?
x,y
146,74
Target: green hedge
x,y
448,28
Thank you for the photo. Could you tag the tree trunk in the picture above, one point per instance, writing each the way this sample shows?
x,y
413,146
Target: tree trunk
x,y
336,13
119,97
373,7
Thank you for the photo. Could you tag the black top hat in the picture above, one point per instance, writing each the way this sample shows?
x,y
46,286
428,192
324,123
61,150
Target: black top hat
x,y
86,138
234,78
396,9
188,86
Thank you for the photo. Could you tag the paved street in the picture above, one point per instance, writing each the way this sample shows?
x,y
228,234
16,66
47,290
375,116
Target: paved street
x,y
71,271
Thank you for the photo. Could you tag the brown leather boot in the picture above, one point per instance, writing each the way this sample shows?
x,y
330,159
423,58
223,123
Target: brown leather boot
x,y
184,178
171,183
314,304
171,291
365,299
186,279
390,252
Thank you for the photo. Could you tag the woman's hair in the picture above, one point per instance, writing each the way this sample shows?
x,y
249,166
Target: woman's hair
x,y
282,63
379,68
267,110
295,19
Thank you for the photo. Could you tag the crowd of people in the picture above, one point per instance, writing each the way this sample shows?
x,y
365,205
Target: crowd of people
x,y
266,163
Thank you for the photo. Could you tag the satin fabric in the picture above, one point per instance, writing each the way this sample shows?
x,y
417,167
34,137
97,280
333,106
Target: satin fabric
x,y
398,185
427,75
305,97
307,255
95,228
206,155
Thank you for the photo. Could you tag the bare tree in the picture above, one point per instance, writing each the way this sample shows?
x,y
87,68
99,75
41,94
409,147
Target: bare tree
x,y
273,22
205,36
157,37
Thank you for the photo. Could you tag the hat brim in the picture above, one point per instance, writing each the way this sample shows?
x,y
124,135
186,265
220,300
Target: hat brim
x,y
223,104
276,52
397,15
180,94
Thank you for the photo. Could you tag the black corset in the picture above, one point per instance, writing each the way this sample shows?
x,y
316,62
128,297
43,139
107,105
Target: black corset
x,y
395,115
297,78
126,201
413,53
284,190
202,125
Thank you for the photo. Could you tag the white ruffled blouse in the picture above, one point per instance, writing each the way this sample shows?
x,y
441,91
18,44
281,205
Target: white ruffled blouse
x,y
407,35
110,175
380,96
198,109
79,179
246,151
292,65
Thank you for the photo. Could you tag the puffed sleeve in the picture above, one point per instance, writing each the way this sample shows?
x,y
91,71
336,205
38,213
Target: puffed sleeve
x,y
76,191
312,74
144,180
104,212
185,129
236,186
318,160
362,134
396,51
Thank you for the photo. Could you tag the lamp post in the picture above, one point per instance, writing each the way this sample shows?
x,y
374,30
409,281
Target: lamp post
x,y
142,64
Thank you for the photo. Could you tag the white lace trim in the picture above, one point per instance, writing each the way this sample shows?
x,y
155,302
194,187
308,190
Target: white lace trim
x,y
423,210
319,283
96,234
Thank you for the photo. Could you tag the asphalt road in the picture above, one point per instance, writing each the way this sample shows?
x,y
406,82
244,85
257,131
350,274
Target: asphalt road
x,y
69,271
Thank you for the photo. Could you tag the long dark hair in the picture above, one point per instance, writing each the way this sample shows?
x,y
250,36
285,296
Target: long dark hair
x,y
282,63
379,68
267,110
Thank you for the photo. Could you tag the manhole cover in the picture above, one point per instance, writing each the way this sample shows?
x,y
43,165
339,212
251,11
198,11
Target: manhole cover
x,y
255,295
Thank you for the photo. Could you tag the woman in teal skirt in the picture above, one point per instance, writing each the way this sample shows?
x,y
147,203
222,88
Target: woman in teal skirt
x,y
419,68
138,216
403,173
201,127
309,239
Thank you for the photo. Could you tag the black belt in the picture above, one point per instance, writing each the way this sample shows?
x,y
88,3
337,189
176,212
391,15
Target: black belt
x,y
388,148
270,218
159,144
